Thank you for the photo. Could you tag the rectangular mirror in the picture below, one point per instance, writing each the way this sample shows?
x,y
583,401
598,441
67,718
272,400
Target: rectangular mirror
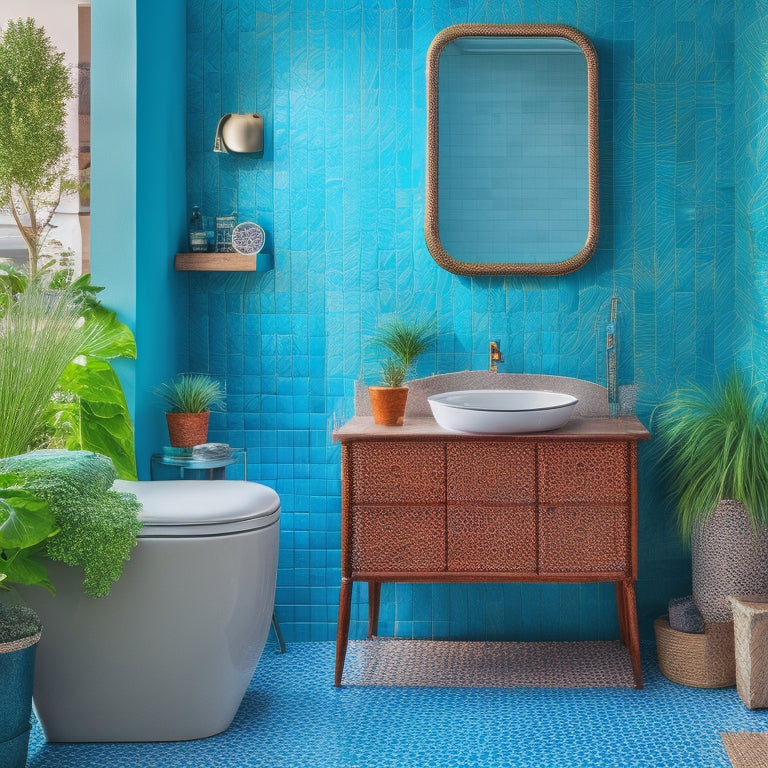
x,y
512,164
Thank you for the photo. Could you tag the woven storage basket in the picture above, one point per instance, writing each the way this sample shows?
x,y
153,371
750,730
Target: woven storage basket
x,y
701,661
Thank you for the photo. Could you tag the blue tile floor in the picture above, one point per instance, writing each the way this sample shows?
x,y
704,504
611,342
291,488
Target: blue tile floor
x,y
293,717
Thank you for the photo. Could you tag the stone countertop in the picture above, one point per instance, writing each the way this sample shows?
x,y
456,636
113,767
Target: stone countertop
x,y
593,398
425,427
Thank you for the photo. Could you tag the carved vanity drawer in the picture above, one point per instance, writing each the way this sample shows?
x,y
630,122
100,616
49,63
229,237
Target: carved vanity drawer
x,y
584,539
491,472
398,539
423,505
397,473
584,471
485,539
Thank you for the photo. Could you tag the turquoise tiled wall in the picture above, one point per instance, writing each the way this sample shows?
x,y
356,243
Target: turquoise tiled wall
x,y
340,191
751,170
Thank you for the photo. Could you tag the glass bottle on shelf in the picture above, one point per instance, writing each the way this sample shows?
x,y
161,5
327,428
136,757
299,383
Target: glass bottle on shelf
x,y
197,238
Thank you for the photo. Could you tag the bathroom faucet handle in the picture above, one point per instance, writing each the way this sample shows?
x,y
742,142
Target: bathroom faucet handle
x,y
495,356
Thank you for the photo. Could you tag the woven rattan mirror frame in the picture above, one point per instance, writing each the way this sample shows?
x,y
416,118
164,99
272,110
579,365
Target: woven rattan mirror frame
x,y
431,218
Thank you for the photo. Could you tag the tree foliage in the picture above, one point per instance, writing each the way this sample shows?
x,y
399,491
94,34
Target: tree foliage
x,y
35,86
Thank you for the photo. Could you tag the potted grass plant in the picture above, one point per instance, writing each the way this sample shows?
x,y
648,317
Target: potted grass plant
x,y
715,458
405,341
189,399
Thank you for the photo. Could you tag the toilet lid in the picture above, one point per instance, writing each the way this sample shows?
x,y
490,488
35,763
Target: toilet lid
x,y
202,507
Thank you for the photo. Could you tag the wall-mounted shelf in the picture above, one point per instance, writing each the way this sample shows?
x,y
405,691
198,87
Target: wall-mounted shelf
x,y
223,262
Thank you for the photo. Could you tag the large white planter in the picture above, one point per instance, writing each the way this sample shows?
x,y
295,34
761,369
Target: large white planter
x,y
728,558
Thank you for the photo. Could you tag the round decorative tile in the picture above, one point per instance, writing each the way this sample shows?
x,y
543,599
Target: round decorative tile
x,y
248,238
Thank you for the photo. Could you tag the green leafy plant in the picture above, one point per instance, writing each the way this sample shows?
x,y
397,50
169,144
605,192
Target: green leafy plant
x,y
55,374
406,340
35,86
65,509
191,393
90,411
714,447
26,523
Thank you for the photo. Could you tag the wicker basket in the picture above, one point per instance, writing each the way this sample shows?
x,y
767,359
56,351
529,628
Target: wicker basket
x,y
699,660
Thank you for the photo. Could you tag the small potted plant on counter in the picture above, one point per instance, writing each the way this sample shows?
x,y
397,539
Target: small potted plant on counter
x,y
405,341
189,399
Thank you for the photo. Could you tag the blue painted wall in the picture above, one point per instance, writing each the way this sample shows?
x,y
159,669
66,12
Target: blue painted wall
x,y
340,191
139,202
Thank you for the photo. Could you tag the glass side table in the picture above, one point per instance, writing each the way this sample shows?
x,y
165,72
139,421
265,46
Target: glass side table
x,y
162,467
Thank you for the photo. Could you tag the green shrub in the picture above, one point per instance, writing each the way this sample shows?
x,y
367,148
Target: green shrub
x,y
98,526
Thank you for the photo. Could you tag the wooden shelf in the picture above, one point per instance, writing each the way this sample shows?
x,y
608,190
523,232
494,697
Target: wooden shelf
x,y
223,262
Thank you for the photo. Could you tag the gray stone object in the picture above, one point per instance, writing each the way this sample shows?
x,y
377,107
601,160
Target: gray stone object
x,y
684,616
211,451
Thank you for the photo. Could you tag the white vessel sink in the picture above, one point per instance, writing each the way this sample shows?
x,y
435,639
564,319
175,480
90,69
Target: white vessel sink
x,y
501,411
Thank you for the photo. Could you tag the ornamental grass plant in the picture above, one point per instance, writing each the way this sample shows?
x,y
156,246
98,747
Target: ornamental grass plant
x,y
41,333
191,393
714,447
406,340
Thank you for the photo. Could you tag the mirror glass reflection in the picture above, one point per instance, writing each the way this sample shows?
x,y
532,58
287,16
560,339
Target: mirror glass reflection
x,y
512,163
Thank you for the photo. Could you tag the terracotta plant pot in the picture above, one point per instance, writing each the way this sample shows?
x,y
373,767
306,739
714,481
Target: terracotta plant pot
x,y
388,405
728,558
187,429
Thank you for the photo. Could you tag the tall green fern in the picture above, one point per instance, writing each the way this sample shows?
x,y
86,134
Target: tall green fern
x,y
715,446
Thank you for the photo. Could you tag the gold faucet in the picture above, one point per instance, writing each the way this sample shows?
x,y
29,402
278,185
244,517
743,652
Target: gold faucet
x,y
495,356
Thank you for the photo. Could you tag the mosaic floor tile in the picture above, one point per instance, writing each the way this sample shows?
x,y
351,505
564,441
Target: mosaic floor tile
x,y
293,717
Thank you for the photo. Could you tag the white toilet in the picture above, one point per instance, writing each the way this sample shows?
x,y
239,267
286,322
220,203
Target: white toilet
x,y
169,653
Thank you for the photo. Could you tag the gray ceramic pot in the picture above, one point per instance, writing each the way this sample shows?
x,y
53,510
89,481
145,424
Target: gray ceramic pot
x,y
728,558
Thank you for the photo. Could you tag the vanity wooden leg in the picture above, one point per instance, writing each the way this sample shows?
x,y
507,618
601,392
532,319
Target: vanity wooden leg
x,y
342,629
630,608
622,611
374,596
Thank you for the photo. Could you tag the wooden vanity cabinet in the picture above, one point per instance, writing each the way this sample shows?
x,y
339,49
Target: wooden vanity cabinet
x,y
423,504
